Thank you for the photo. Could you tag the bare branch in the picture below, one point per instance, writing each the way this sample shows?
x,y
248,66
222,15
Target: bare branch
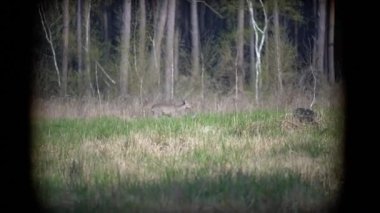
x,y
105,73
50,41
212,9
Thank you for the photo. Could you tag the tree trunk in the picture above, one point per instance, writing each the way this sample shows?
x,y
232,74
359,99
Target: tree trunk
x,y
276,20
176,53
160,21
79,45
142,38
252,60
240,46
66,21
87,79
321,37
125,42
267,68
169,51
296,38
259,42
202,18
331,42
315,39
195,41
106,30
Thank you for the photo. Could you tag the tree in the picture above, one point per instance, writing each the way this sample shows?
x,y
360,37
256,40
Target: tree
x,y
66,21
176,53
125,42
159,26
276,20
142,30
194,41
169,70
252,58
258,47
106,28
240,49
49,39
320,65
79,42
87,76
331,42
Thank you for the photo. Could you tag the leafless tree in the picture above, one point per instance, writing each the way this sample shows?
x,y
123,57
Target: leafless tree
x,y
252,59
159,26
331,42
195,41
276,20
169,70
79,42
240,49
142,37
125,43
106,28
65,38
87,76
259,42
49,38
320,65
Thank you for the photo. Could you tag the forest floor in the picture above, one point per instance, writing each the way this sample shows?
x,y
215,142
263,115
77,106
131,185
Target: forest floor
x,y
207,162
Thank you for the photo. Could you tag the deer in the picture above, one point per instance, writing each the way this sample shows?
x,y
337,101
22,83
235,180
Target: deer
x,y
169,109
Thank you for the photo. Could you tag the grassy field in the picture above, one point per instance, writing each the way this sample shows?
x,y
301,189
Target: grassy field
x,y
242,162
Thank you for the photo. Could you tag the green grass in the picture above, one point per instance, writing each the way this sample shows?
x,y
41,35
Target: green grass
x,y
210,162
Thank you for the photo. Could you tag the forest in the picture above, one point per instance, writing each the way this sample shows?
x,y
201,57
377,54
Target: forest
x,y
265,53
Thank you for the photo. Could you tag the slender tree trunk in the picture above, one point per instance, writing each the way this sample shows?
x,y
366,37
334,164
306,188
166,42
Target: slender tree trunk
x,y
240,46
195,41
252,60
66,21
296,37
125,42
87,82
79,45
315,39
259,42
142,38
276,20
321,37
267,66
176,53
160,22
106,30
202,18
169,51
331,42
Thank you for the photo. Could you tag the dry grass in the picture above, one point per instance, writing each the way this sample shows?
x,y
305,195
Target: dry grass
x,y
330,96
209,163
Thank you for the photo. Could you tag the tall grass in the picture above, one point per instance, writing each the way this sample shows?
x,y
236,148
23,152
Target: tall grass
x,y
208,162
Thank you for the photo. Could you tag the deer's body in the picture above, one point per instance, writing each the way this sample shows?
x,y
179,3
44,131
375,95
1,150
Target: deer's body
x,y
170,110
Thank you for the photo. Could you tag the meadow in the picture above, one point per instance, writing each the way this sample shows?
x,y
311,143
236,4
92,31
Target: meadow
x,y
205,162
